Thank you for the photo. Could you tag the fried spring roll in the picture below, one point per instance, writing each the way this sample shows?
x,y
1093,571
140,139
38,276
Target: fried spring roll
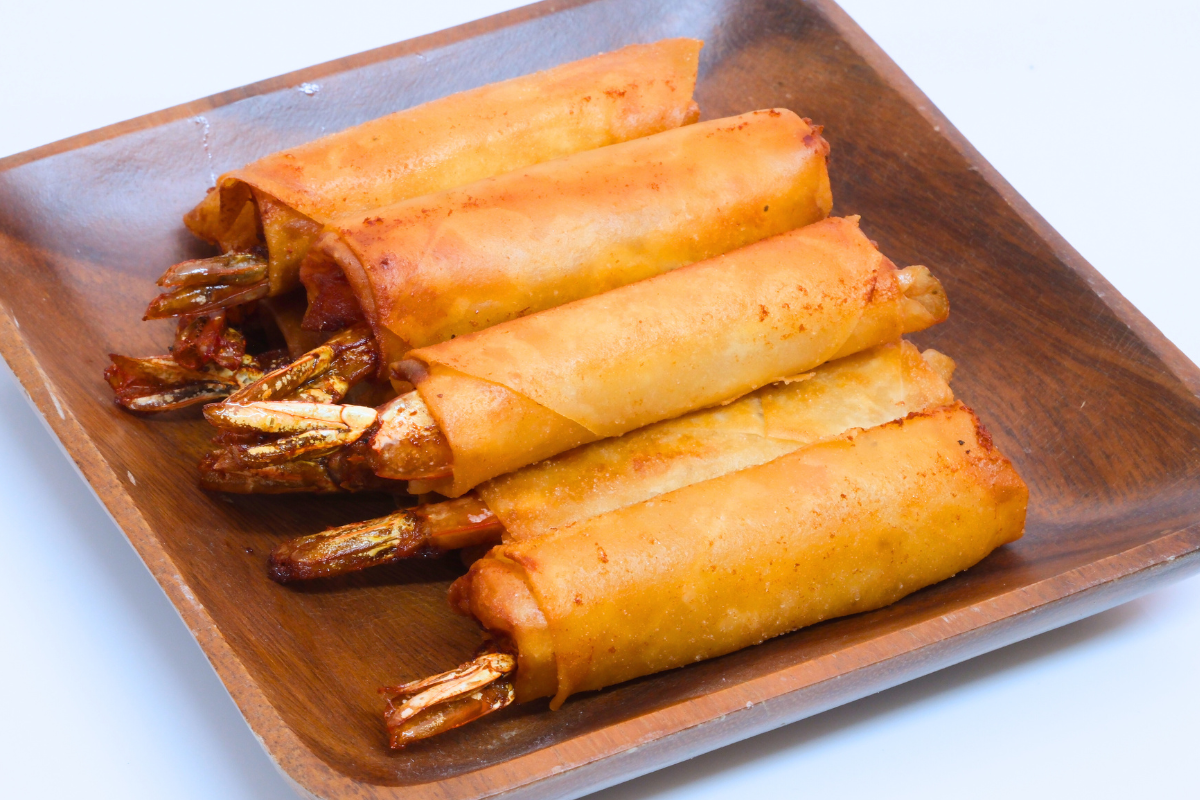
x,y
833,529
526,390
701,336
281,201
859,391
444,265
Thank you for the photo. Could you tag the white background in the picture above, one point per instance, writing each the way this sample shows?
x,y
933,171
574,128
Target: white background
x,y
1088,108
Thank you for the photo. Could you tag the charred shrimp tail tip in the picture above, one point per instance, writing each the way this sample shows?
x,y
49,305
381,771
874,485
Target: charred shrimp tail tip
x,y
282,570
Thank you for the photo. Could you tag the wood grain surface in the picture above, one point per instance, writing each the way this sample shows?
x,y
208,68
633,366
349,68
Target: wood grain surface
x,y
1098,411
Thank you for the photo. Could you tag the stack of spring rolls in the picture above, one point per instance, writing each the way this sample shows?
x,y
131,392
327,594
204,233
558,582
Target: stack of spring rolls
x,y
624,360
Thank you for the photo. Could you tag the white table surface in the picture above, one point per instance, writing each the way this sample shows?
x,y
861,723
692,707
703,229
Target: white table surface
x,y
1088,108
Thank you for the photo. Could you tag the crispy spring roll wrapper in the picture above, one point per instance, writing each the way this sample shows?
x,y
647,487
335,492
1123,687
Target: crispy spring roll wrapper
x,y
860,391
837,528
700,336
282,200
445,265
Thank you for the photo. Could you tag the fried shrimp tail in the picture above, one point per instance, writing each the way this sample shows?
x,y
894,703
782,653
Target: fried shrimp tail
x,y
208,284
160,383
306,430
322,375
344,470
425,530
443,702
406,444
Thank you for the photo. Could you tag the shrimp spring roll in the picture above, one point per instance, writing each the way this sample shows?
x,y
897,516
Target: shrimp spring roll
x,y
444,265
266,215
447,264
492,402
280,202
838,528
697,337
859,391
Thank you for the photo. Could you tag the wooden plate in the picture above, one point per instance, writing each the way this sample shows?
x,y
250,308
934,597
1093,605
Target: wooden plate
x,y
1097,409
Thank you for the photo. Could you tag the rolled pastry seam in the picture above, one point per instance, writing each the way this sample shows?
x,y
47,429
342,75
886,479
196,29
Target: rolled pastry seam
x,y
838,528
860,391
448,264
700,336
282,200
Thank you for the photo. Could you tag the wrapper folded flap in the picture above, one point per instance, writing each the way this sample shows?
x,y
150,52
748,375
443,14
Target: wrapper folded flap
x,y
697,337
837,528
860,391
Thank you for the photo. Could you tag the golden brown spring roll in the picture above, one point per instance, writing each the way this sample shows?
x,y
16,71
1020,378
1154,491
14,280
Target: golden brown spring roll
x,y
444,265
700,336
837,528
860,391
281,201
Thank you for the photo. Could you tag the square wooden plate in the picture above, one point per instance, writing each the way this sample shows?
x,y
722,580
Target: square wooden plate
x,y
1097,409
